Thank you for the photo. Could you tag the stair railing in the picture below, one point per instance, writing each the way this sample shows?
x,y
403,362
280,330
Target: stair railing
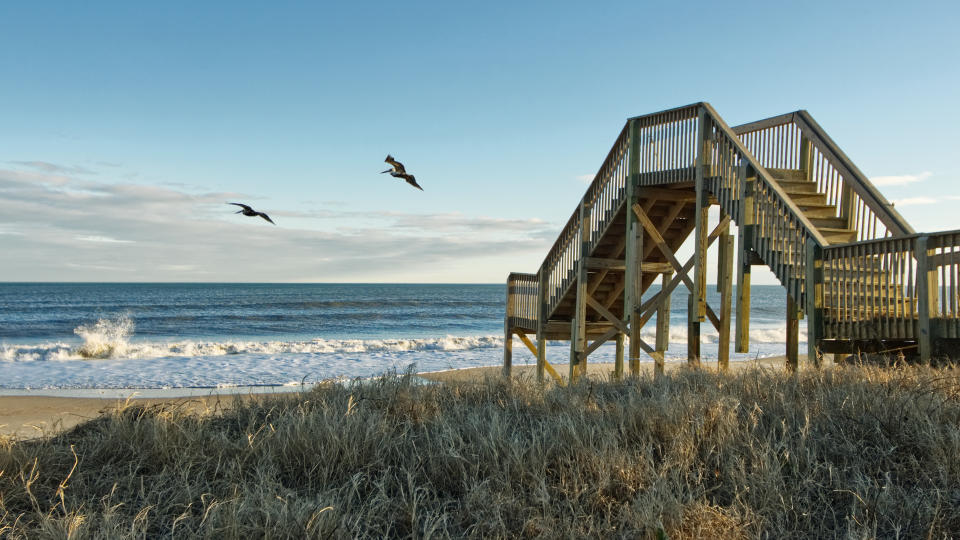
x,y
667,150
523,300
779,233
894,288
795,141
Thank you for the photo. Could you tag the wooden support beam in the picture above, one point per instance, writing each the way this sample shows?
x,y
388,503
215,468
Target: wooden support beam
x,y
618,359
578,335
814,294
599,263
605,313
701,216
726,286
645,308
661,244
666,194
746,176
601,340
793,334
663,324
927,288
537,351
633,256
542,329
693,334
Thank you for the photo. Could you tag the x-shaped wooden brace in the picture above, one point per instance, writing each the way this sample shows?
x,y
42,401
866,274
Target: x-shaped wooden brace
x,y
647,308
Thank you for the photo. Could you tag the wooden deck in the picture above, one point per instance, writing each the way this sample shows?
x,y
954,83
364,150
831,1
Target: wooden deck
x,y
847,260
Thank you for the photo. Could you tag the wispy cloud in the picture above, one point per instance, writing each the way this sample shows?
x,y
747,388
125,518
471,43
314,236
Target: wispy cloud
x,y
47,167
901,179
102,239
64,227
913,201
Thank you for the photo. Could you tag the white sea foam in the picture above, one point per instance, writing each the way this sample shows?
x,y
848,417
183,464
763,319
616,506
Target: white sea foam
x,y
106,338
115,345
111,339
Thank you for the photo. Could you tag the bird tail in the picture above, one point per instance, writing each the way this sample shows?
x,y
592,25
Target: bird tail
x,y
389,157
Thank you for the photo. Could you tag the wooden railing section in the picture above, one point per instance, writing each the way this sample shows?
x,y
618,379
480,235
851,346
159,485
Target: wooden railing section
x,y
795,141
893,288
523,298
773,226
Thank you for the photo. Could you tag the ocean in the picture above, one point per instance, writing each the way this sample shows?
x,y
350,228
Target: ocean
x,y
208,335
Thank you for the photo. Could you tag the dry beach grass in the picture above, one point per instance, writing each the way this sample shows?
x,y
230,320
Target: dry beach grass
x,y
852,452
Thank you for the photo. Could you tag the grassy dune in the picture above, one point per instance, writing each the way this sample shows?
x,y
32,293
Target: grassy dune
x,y
848,452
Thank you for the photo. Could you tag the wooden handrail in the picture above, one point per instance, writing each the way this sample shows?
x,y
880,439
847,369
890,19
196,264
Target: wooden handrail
x,y
762,173
892,219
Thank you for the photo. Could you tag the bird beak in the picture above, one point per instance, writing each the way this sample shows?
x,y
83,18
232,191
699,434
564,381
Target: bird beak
x,y
388,170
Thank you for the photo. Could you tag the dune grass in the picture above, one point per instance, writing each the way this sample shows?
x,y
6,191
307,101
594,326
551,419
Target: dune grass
x,y
849,452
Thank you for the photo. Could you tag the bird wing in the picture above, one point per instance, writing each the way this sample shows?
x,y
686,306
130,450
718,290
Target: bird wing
x,y
412,181
266,217
245,207
397,166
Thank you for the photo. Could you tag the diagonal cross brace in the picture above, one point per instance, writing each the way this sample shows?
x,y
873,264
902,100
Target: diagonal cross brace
x,y
533,348
648,307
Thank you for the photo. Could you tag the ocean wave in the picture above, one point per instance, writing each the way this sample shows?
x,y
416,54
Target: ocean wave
x,y
140,350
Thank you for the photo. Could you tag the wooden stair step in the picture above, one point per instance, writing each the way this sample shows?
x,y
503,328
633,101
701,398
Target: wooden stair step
x,y
787,174
837,235
792,187
817,210
828,222
802,199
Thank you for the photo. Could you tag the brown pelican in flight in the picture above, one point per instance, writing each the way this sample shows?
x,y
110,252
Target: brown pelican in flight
x,y
247,211
399,172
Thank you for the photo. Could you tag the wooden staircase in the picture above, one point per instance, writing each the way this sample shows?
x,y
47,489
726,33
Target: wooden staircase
x,y
849,263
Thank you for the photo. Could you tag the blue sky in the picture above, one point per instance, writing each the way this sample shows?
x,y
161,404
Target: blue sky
x,y
125,126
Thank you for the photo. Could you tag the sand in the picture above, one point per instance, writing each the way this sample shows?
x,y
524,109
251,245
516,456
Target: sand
x,y
30,416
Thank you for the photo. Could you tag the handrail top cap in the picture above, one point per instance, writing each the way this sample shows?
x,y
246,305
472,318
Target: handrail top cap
x,y
671,109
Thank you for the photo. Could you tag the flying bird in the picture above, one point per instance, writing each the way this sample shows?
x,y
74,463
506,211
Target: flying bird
x,y
397,171
247,211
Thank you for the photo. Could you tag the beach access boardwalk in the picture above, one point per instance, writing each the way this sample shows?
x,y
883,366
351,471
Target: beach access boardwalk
x,y
849,263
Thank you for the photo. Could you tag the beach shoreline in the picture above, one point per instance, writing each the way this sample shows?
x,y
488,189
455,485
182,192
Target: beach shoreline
x,y
28,414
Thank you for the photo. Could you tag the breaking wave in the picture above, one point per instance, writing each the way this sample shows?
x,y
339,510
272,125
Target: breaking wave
x,y
110,340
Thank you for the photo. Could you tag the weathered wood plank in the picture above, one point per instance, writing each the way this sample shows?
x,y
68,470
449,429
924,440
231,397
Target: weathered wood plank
x,y
726,286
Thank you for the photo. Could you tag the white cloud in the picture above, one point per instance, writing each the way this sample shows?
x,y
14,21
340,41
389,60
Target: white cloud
x,y
901,179
65,228
913,201
102,239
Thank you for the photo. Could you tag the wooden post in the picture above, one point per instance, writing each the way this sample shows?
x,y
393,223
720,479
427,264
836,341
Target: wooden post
x,y
704,161
793,334
578,337
663,324
618,363
726,286
697,305
508,335
693,333
633,256
814,300
927,289
806,158
748,180
542,325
